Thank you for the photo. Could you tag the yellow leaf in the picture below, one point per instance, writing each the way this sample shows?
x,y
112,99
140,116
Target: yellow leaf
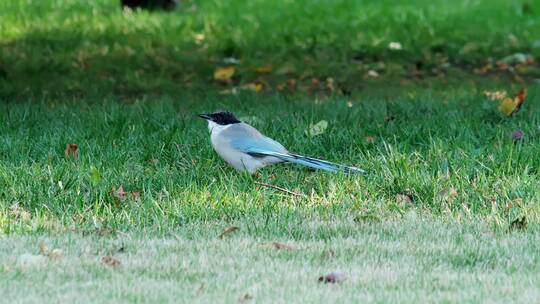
x,y
224,74
255,87
264,69
507,106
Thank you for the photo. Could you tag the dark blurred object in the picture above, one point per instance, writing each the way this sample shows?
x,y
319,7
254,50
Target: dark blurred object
x,y
150,4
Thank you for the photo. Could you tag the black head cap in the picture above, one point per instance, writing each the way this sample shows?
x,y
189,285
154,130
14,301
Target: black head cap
x,y
221,118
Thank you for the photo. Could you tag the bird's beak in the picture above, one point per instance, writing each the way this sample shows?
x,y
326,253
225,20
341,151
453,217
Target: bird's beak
x,y
205,116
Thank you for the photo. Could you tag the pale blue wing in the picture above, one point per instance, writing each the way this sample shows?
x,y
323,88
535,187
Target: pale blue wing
x,y
247,139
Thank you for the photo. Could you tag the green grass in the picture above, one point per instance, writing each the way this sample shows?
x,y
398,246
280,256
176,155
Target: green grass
x,y
59,47
434,220
434,142
407,261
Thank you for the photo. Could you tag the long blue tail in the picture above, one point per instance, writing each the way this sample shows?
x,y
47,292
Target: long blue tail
x,y
315,163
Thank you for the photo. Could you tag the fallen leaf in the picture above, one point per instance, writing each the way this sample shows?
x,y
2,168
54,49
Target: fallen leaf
x,y
313,84
395,46
517,135
224,74
495,95
292,84
330,84
369,139
284,69
317,129
72,151
104,230
199,38
19,212
246,297
448,194
232,91
256,87
402,198
119,193
281,246
227,232
330,253
56,254
517,58
110,261
333,277
264,69
43,249
136,195
509,106
373,73
201,289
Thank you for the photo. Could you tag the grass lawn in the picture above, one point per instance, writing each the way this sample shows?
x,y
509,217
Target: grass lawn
x,y
449,210
415,259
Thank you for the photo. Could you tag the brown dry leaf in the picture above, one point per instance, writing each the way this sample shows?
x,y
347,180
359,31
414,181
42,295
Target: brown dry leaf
x,y
119,193
402,198
104,230
72,151
227,232
224,74
110,261
246,297
43,248
330,253
19,212
281,246
313,84
484,70
333,277
448,194
369,139
56,254
292,84
264,69
136,195
280,87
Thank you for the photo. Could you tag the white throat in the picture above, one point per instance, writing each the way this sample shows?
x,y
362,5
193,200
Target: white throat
x,y
215,128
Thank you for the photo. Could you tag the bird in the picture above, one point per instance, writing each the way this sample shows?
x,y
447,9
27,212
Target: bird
x,y
247,149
